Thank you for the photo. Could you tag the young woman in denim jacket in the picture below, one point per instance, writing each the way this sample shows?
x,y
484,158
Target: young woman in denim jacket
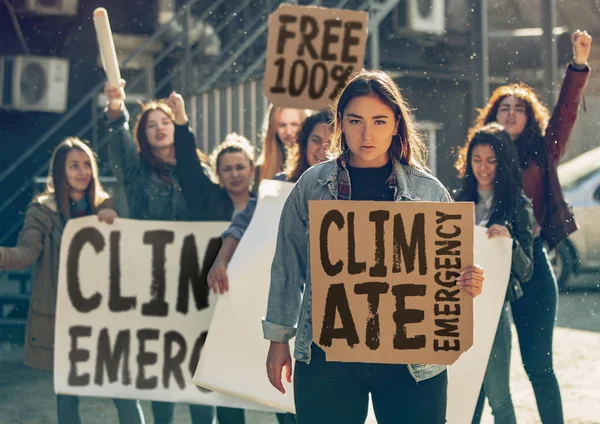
x,y
378,156
541,141
493,181
73,191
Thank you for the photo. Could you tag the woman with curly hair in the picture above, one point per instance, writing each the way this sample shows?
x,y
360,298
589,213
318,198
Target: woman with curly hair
x,y
493,181
541,141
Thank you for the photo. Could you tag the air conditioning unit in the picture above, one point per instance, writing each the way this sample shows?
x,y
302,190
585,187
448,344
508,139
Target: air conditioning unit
x,y
48,7
40,84
420,16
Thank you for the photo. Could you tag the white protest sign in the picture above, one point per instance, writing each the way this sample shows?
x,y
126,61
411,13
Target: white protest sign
x,y
236,365
465,376
133,310
311,53
249,275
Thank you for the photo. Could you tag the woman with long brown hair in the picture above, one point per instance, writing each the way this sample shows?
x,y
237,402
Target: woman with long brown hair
x,y
377,155
146,165
73,190
541,141
279,134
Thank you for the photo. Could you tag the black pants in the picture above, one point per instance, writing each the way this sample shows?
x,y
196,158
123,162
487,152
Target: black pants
x,y
338,392
534,316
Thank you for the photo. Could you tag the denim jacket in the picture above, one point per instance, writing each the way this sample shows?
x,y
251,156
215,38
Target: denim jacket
x,y
148,195
289,310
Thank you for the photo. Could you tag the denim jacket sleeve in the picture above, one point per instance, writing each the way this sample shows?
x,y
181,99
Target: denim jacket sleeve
x,y
288,271
241,221
123,153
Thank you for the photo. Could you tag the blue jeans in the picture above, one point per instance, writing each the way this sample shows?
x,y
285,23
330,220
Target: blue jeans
x,y
130,411
534,316
201,414
496,382
338,392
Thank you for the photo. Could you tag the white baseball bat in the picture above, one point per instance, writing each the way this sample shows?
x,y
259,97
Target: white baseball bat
x,y
108,54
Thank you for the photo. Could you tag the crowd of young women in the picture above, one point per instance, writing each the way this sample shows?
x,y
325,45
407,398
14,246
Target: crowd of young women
x,y
368,148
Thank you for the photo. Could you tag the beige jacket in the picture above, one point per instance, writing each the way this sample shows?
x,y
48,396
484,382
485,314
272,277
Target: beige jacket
x,y
39,245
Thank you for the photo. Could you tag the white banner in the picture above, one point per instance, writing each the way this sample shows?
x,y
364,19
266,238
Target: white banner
x,y
133,310
465,376
240,310
249,276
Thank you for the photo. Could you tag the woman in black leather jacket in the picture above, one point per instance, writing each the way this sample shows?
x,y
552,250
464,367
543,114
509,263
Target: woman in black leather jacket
x,y
493,182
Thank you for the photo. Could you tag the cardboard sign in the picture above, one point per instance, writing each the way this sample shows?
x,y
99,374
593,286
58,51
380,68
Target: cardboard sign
x,y
384,280
311,52
133,309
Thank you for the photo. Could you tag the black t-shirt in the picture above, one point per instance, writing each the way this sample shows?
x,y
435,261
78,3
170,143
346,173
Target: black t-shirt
x,y
371,183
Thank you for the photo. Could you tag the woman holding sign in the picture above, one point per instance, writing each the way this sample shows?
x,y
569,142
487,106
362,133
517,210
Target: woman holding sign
x,y
313,142
541,142
156,189
379,156
73,190
493,181
146,162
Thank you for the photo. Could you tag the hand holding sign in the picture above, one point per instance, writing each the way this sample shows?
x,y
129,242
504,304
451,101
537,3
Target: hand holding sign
x,y
311,52
116,99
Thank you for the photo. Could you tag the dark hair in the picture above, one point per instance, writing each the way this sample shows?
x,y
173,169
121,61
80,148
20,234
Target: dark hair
x,y
297,163
508,184
530,144
57,184
141,138
407,146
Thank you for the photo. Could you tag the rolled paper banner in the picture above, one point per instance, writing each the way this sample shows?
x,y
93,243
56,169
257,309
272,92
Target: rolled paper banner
x,y
108,54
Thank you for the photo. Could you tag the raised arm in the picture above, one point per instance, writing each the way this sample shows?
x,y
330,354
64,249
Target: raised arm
x,y
205,199
564,114
123,152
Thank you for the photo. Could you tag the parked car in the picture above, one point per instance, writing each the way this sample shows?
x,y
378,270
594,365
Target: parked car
x,y
580,252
